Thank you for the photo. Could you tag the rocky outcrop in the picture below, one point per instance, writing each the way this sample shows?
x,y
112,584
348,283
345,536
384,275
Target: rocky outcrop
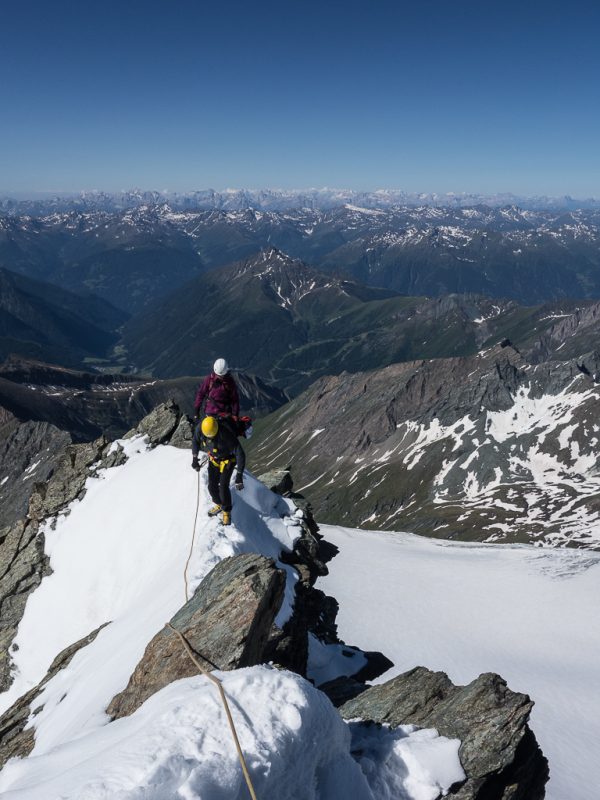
x,y
160,424
16,740
29,453
498,752
314,611
278,480
68,481
226,624
23,564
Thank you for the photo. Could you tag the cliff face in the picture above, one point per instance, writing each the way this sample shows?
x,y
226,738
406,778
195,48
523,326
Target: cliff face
x,y
485,448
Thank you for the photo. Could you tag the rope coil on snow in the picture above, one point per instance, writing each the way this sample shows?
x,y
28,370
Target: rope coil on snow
x,y
206,673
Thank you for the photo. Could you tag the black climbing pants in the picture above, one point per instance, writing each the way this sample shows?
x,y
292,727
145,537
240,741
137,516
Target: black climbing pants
x,y
218,484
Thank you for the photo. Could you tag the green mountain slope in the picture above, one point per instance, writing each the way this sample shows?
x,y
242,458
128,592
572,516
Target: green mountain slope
x,y
42,321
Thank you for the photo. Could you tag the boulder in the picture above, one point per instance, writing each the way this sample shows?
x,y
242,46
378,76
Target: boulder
x,y
278,480
160,424
499,752
226,623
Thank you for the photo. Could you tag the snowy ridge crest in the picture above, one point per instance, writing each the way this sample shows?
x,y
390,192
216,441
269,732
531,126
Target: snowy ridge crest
x,y
117,553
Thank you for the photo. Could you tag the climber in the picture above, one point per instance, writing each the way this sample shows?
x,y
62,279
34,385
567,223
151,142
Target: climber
x,y
218,439
219,391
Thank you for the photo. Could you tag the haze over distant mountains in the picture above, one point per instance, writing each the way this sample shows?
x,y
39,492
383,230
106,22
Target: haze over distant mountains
x,y
280,200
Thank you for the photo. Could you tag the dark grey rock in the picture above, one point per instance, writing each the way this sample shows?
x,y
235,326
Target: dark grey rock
x,y
68,480
278,480
15,740
159,424
499,753
341,690
226,623
182,437
23,564
29,453
377,664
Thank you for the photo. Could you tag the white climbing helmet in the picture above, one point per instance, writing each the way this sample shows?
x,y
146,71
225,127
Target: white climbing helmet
x,y
220,367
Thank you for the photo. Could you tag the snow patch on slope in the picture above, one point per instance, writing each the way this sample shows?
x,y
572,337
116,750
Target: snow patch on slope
x,y
545,446
529,614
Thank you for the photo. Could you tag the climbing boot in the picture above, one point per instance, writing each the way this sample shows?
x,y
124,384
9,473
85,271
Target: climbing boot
x,y
227,518
212,512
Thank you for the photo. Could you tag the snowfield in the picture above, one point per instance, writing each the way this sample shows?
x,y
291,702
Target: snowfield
x,y
529,614
118,557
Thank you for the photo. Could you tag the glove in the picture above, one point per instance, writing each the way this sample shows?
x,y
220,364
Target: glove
x,y
195,464
239,482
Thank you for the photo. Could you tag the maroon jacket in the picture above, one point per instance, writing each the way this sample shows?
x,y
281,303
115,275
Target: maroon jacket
x,y
221,396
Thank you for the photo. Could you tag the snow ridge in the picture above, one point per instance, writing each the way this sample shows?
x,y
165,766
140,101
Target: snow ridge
x,y
117,557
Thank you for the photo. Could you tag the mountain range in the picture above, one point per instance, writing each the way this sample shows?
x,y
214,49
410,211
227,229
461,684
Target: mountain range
x,y
280,200
134,256
275,316
431,370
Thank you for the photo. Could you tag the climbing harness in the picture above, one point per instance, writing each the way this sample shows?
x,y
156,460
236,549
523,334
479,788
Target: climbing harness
x,y
220,464
199,666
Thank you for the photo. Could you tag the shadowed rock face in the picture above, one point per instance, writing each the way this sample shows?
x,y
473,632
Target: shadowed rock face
x,y
226,623
29,453
23,564
498,752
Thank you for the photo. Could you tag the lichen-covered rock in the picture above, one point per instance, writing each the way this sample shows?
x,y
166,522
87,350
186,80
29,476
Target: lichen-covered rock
x,y
15,739
499,752
226,623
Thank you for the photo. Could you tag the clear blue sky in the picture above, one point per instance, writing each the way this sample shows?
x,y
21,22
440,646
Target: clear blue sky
x,y
186,94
